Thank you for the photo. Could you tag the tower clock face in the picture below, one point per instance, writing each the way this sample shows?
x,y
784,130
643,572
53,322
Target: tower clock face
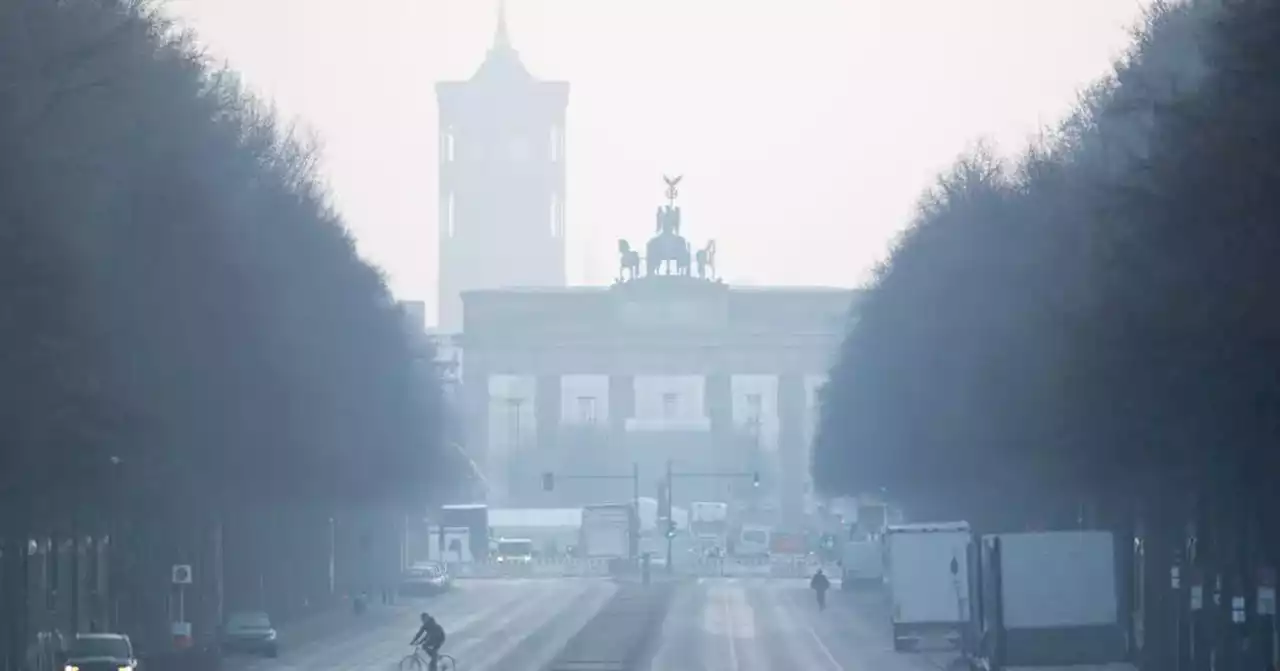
x,y
519,150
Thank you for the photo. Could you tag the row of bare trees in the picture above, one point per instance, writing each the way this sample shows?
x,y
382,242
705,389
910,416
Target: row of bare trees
x,y
189,341
1091,335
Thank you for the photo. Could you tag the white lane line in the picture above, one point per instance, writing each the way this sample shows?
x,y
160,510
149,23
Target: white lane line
x,y
805,613
384,646
826,652
475,640
732,634
682,631
547,603
570,621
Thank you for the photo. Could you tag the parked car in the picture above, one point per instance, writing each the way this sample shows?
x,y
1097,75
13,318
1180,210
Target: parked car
x,y
426,577
250,631
100,652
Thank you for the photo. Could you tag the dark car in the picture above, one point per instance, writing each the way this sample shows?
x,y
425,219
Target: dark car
x,y
250,631
427,577
100,652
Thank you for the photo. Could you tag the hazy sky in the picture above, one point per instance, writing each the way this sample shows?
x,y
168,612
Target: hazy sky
x,y
805,129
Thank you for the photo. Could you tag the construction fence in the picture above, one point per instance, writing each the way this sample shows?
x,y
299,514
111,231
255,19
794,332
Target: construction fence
x,y
575,567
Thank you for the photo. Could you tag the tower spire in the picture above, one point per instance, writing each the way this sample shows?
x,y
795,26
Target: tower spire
x,y
501,38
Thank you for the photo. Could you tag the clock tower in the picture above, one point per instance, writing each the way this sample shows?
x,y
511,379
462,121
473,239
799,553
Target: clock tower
x,y
502,179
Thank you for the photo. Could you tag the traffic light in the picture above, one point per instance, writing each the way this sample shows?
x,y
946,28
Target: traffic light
x,y
755,479
671,528
548,482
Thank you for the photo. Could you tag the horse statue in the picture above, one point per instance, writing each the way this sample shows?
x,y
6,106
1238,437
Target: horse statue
x,y
629,261
669,251
667,248
706,259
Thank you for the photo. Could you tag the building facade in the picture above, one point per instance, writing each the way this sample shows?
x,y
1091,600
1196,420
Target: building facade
x,y
664,364
502,180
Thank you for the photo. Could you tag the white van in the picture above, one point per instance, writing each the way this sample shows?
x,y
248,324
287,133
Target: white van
x,y
753,540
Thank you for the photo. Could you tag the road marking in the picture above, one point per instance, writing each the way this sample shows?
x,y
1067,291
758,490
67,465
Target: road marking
x,y
823,647
733,651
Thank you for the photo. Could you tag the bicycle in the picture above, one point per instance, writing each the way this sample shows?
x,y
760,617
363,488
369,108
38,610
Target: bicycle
x,y
416,661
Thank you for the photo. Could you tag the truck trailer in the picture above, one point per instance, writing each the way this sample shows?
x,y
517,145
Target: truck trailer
x,y
1045,599
608,531
926,567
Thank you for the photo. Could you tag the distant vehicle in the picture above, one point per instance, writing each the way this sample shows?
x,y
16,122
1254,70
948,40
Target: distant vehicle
x,y
426,577
862,565
783,543
515,550
249,631
1046,599
101,652
872,518
753,540
709,521
475,518
606,530
928,577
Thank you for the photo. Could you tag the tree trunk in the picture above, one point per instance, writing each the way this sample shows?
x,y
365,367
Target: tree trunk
x,y
1163,532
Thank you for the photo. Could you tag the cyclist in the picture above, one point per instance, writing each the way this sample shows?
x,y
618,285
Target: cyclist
x,y
430,636
819,584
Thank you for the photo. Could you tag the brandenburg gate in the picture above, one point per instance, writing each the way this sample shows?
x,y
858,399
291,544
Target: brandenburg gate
x,y
669,362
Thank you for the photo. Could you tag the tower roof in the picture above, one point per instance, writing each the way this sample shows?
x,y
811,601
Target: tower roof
x,y
502,61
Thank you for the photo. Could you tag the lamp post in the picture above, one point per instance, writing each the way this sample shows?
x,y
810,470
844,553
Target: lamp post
x,y
113,540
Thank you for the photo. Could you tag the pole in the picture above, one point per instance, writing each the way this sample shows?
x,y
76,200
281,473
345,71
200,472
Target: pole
x,y
75,570
635,502
672,512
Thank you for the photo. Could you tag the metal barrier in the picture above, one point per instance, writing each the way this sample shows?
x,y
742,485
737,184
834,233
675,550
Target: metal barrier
x,y
544,567
761,567
571,567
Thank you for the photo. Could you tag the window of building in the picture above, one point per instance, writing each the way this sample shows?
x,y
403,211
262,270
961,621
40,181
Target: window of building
x,y
555,215
587,410
448,147
515,431
449,215
755,408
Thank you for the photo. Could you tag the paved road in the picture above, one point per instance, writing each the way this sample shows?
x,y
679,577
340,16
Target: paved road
x,y
762,624
492,625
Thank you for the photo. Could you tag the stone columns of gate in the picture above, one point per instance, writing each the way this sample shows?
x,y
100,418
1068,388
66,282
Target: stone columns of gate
x,y
791,446
719,404
622,405
547,409
476,406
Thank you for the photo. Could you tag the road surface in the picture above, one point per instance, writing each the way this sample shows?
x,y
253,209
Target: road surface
x,y
763,624
492,625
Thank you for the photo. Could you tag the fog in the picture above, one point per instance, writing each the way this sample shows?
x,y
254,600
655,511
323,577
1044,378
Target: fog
x,y
990,339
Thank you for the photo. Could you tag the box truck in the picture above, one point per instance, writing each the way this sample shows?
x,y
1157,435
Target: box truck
x,y
606,531
1046,599
862,565
927,573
